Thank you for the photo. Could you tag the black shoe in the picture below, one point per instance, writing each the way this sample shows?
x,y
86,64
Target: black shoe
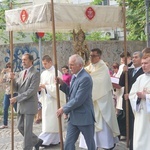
x,y
51,145
111,147
38,144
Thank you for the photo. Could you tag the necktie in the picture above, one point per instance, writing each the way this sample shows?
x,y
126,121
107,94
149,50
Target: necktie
x,y
73,79
25,74
134,72
138,101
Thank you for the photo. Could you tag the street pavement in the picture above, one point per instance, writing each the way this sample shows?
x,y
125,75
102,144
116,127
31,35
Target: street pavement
x,y
5,139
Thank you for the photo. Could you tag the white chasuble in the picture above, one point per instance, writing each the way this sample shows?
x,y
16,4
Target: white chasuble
x,y
102,97
103,105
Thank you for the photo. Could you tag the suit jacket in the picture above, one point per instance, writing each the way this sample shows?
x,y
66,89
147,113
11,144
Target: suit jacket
x,y
79,105
27,101
131,79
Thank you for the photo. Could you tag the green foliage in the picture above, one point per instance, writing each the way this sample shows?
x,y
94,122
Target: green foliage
x,y
48,37
96,2
20,36
93,36
97,36
4,5
62,36
136,19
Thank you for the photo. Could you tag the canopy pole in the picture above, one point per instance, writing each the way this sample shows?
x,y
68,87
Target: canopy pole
x,y
126,75
56,73
40,53
11,84
147,4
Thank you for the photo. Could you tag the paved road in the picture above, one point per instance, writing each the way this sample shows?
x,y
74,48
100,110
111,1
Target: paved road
x,y
5,139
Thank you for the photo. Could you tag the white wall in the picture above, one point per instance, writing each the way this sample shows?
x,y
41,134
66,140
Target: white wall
x,y
113,2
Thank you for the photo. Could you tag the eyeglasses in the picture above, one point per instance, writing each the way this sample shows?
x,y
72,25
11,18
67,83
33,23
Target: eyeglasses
x,y
94,55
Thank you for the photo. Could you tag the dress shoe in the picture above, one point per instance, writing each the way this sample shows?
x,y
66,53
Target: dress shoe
x,y
38,144
111,147
50,145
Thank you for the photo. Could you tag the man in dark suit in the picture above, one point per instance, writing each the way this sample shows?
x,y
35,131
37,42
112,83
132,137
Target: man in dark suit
x,y
27,102
79,106
133,73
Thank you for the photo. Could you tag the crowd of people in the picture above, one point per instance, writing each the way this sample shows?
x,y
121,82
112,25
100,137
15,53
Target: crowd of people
x,y
94,107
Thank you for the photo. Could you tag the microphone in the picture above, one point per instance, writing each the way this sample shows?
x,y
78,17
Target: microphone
x,y
138,101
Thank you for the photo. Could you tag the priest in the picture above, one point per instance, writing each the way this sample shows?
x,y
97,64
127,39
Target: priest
x,y
106,126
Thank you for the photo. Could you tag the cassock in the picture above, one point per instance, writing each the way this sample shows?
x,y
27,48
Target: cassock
x,y
141,138
106,126
50,125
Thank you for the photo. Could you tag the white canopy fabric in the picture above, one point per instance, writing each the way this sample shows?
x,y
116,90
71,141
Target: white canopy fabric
x,y
67,17
35,2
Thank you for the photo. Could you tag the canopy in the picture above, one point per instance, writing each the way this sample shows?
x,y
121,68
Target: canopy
x,y
67,17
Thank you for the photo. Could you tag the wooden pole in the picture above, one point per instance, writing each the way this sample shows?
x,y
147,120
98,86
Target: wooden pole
x,y
40,54
56,72
11,85
147,4
126,76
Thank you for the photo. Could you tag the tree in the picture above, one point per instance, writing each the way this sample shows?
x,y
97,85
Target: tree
x,y
136,19
97,36
96,2
5,5
48,37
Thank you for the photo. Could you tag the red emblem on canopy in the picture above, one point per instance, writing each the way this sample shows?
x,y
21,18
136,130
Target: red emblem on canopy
x,y
90,13
23,16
